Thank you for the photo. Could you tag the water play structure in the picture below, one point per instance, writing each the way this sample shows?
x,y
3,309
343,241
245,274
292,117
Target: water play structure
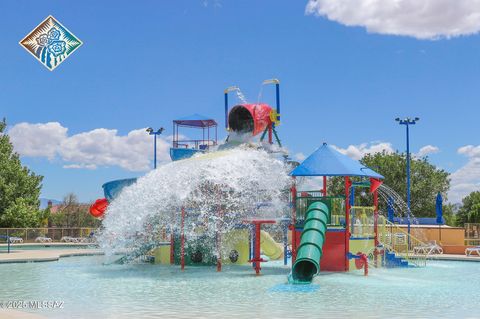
x,y
218,223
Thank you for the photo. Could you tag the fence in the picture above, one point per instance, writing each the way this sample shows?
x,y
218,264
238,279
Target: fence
x,y
30,234
472,234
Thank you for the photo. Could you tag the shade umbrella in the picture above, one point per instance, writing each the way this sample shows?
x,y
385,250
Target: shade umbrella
x,y
439,210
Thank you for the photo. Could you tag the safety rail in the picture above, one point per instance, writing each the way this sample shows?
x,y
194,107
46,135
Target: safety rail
x,y
29,235
394,239
362,221
195,144
472,234
7,239
336,205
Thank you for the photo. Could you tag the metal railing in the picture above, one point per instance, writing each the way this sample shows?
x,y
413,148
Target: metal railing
x,y
396,240
335,204
28,235
195,144
362,222
472,234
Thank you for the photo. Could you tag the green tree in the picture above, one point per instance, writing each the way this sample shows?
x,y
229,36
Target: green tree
x,y
19,187
20,214
470,210
426,181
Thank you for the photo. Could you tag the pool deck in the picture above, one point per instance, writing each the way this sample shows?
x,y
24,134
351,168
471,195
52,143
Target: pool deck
x,y
59,244
451,257
24,255
15,314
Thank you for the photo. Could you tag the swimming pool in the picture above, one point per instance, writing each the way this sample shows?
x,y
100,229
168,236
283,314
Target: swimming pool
x,y
92,290
45,247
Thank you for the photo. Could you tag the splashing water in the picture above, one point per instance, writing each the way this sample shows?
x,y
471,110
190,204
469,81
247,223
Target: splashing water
x,y
400,207
217,190
241,96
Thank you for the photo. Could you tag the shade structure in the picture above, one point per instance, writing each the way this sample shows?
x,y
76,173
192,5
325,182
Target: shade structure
x,y
327,161
439,208
196,120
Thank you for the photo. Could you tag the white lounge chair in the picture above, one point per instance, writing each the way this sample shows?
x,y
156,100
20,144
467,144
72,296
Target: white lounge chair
x,y
68,239
42,239
84,239
16,240
472,250
429,248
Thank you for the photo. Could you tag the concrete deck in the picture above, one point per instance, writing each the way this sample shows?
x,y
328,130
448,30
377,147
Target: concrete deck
x,y
12,246
451,257
15,314
24,255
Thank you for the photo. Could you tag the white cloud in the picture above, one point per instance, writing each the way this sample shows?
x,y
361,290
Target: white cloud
x,y
299,157
80,166
310,183
427,149
89,150
467,178
40,139
422,19
358,151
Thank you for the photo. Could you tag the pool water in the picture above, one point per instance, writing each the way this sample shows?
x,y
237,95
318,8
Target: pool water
x,y
90,289
44,247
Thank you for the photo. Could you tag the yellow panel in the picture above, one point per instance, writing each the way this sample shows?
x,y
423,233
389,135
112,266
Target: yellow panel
x,y
236,240
162,255
360,245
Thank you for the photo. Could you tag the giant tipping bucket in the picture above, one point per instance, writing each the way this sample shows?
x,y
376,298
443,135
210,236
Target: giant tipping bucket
x,y
250,118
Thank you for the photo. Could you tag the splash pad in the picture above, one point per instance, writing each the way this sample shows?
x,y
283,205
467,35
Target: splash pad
x,y
239,203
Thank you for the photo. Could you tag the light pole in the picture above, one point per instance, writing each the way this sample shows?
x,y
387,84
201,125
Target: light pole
x,y
407,122
155,133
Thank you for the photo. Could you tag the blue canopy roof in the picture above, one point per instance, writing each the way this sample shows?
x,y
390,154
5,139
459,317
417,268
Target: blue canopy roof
x,y
196,120
327,161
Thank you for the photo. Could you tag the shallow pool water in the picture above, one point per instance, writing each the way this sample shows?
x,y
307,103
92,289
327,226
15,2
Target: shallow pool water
x,y
90,289
44,247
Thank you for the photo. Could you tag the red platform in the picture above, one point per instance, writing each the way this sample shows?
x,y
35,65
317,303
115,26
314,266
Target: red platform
x,y
333,258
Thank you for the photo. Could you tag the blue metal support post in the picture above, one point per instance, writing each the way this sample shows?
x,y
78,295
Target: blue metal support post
x,y
407,122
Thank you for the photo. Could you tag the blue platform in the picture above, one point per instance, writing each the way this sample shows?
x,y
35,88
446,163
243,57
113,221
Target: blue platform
x,y
183,153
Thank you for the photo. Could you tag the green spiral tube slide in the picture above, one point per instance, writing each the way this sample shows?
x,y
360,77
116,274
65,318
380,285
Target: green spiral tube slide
x,y
310,251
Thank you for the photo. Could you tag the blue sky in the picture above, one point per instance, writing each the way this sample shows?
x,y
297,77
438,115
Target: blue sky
x,y
145,63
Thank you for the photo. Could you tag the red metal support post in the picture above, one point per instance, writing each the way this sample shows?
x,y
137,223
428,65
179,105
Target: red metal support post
x,y
218,233
347,221
325,186
375,223
182,241
294,220
219,246
172,248
219,252
270,136
256,249
257,259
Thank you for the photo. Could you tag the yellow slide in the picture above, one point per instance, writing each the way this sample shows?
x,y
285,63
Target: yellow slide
x,y
238,240
270,247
